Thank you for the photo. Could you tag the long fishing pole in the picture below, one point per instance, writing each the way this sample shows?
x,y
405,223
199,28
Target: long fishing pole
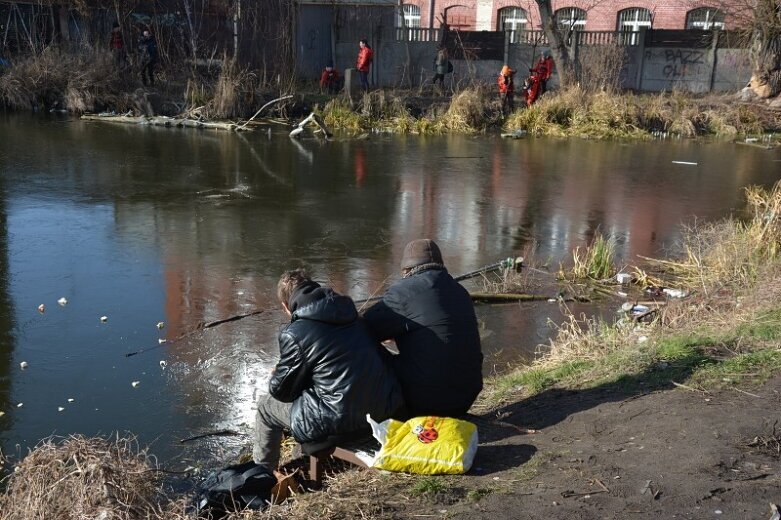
x,y
198,328
508,263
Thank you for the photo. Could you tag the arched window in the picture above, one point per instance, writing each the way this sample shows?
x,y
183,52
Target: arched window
x,y
571,18
408,22
633,19
409,16
705,18
513,19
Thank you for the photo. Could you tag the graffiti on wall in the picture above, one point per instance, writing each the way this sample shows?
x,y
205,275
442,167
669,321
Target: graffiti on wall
x,y
677,64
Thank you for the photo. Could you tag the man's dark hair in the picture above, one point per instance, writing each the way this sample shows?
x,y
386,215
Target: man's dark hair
x,y
289,282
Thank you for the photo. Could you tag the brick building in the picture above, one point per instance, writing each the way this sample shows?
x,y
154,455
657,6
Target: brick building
x,y
590,15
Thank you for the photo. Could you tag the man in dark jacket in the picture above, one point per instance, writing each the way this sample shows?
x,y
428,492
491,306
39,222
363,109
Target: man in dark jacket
x,y
432,320
330,372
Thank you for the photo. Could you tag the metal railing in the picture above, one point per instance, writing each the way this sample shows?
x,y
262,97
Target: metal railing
x,y
417,34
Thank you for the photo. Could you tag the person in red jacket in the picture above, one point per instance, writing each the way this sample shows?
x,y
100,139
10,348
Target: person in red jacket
x,y
117,44
531,87
329,79
544,70
506,88
365,56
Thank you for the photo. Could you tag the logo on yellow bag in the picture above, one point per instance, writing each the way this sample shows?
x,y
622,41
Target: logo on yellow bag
x,y
426,432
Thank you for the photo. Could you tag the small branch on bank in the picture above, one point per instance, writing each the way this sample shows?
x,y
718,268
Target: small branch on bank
x,y
242,127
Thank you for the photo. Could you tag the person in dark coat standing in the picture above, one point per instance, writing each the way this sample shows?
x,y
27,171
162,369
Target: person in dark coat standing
x,y
442,66
148,50
330,372
432,320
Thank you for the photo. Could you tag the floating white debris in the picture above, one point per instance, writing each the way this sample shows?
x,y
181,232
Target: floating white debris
x,y
62,301
622,294
623,278
20,405
163,364
160,324
160,341
2,414
41,308
685,163
23,365
134,384
71,399
642,339
60,408
674,293
552,300
103,319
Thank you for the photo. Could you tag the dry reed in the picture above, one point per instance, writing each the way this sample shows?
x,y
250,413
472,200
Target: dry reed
x,y
81,477
731,252
82,80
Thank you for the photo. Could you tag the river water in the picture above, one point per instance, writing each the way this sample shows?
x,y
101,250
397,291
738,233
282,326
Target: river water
x,y
145,225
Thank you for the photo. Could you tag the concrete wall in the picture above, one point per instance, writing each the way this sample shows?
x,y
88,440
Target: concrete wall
x,y
646,69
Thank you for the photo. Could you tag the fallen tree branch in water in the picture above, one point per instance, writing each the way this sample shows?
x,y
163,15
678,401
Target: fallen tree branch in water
x,y
219,433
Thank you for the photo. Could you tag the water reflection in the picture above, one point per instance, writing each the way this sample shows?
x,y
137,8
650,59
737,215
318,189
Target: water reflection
x,y
150,224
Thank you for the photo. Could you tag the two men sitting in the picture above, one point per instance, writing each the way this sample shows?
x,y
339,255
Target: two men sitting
x,y
333,370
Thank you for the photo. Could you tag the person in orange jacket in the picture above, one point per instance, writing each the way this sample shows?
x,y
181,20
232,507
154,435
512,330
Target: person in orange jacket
x,y
329,79
365,57
506,88
544,71
531,87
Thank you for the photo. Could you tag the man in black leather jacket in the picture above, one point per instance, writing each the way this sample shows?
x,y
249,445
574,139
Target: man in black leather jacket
x,y
432,320
330,372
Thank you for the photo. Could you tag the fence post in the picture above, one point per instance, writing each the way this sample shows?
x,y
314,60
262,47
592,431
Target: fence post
x,y
714,53
507,47
641,59
574,53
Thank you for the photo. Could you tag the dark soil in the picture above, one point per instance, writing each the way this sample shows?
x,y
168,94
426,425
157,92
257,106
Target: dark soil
x,y
611,453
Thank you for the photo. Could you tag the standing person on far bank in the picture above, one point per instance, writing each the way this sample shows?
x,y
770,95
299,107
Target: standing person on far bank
x,y
431,318
507,89
117,44
148,50
544,70
442,66
364,62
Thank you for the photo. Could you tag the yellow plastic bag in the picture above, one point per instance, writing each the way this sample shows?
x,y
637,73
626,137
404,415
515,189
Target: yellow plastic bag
x,y
425,445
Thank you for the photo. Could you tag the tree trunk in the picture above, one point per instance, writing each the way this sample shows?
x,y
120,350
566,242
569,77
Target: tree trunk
x,y
766,49
558,46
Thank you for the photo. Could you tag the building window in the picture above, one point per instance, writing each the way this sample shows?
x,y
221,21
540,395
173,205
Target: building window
x,y
409,16
571,18
705,18
633,19
514,20
408,21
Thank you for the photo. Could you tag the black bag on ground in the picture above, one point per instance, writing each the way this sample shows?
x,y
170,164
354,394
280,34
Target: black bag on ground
x,y
449,67
242,486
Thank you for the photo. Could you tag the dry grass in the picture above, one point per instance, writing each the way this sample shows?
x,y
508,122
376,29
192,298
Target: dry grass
x,y
595,261
79,81
731,253
234,93
605,115
81,477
